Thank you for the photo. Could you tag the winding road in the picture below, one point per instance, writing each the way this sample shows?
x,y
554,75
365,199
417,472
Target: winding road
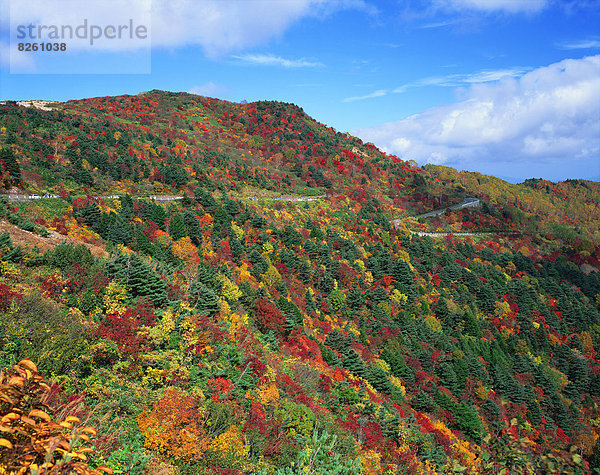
x,y
467,203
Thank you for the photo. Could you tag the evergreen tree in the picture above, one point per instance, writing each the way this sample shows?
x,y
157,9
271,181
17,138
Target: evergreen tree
x,y
204,298
8,251
177,227
379,379
467,421
91,214
205,199
422,402
126,211
311,305
119,232
471,324
142,242
158,215
293,316
447,376
494,415
192,227
9,161
595,458
141,279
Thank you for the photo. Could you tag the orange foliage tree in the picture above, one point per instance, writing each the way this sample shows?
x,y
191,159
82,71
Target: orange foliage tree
x,y
175,426
31,440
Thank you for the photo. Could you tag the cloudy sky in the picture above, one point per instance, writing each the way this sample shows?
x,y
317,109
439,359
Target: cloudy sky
x,y
504,87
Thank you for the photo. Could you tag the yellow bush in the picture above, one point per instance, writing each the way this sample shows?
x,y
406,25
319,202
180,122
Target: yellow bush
x,y
433,323
398,383
231,441
9,270
113,298
161,332
360,264
398,298
269,394
230,290
382,364
239,232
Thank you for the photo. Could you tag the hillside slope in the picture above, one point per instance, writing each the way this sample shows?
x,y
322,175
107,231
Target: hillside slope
x,y
233,332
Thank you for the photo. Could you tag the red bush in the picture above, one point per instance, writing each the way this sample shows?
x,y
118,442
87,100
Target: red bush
x,y
7,295
123,331
268,317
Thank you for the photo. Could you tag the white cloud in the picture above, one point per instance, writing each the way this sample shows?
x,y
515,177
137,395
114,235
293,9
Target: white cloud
x,y
455,80
378,93
493,75
210,89
549,117
451,80
271,60
509,6
440,24
581,44
222,27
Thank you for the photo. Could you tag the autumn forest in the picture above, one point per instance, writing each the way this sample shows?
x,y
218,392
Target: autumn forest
x,y
193,286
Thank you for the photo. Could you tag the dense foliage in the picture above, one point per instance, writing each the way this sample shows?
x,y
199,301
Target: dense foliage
x,y
269,317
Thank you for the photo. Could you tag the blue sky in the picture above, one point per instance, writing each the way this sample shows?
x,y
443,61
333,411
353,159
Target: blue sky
x,y
504,87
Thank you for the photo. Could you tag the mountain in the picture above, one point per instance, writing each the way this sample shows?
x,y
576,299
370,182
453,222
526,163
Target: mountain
x,y
242,289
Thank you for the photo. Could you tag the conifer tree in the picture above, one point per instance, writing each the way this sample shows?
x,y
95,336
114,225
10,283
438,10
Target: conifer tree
x,y
177,227
204,298
119,232
142,242
158,215
9,160
192,227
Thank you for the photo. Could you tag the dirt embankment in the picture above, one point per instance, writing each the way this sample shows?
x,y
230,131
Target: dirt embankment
x,y
24,238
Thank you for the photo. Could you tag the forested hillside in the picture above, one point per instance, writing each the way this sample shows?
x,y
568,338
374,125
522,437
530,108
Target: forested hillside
x,y
230,296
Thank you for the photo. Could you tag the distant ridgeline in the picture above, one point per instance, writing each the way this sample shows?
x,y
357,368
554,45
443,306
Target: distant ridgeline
x,y
214,287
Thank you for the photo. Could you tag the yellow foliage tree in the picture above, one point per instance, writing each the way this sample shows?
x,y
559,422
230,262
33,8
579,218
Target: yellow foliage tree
x,y
397,382
433,323
185,250
269,394
113,298
232,441
501,309
230,290
161,332
236,322
271,277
